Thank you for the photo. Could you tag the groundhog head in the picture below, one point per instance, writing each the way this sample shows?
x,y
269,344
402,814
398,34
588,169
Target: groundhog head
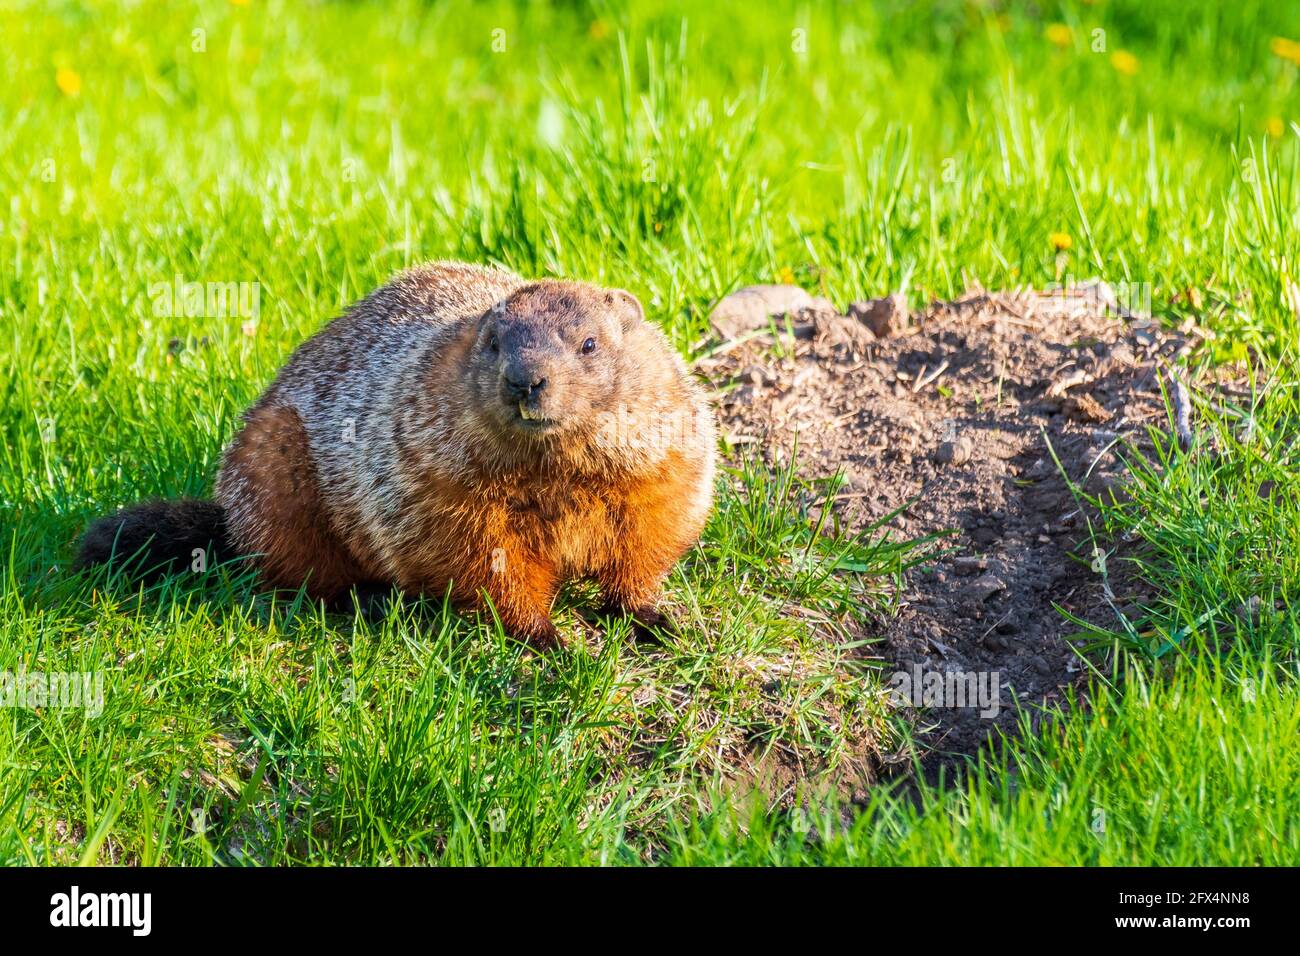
x,y
549,358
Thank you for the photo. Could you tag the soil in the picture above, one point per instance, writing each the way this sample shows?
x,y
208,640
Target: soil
x,y
955,418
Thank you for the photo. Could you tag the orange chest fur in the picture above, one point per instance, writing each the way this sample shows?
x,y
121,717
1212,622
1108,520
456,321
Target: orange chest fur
x,y
573,527
574,523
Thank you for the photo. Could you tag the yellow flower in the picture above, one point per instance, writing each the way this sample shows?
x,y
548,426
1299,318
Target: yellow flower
x,y
1125,62
786,275
1059,34
1060,241
1275,126
598,30
239,3
69,81
1286,49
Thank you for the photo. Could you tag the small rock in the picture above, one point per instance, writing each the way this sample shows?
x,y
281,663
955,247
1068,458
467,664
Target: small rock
x,y
832,330
968,564
884,317
953,452
1122,355
1144,336
985,586
750,308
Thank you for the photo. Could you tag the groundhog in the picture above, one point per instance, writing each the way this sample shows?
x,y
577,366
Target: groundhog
x,y
462,432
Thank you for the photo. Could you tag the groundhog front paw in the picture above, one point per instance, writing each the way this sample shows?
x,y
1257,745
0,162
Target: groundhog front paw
x,y
649,623
541,635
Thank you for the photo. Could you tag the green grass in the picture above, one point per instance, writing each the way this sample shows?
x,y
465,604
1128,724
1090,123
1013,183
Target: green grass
x,y
1193,770
679,151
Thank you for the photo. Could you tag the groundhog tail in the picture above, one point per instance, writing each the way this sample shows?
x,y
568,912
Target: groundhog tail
x,y
155,538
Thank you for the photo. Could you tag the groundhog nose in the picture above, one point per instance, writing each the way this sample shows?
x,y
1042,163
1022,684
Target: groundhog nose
x,y
525,388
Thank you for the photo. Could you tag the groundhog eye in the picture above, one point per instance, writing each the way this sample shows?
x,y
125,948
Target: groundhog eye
x,y
493,344
588,346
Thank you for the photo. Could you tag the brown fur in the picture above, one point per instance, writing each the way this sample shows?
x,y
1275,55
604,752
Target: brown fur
x,y
448,481
289,529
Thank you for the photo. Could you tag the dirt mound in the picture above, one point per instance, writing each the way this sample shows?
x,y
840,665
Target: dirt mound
x,y
956,414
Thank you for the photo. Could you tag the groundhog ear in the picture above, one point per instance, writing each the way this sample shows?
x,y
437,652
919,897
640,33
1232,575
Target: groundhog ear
x,y
626,305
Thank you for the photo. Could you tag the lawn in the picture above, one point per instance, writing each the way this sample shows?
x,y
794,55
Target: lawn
x,y
287,158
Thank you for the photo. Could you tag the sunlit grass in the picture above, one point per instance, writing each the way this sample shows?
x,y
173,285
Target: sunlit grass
x,y
677,150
